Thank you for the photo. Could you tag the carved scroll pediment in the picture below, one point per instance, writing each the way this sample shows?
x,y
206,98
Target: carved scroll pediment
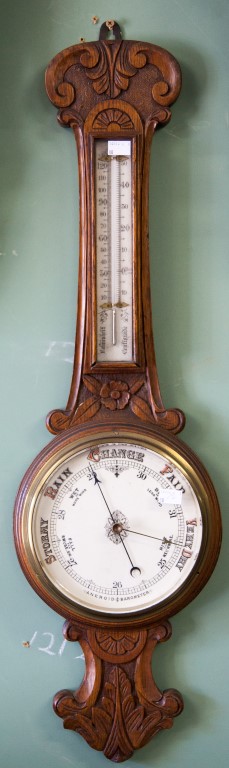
x,y
106,70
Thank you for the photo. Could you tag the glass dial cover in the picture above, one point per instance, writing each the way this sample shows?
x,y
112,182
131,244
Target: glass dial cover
x,y
115,527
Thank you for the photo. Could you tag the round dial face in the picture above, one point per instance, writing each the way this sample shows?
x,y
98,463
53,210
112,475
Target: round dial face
x,y
116,528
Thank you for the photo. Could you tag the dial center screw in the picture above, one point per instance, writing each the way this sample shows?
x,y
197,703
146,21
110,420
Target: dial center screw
x,y
117,528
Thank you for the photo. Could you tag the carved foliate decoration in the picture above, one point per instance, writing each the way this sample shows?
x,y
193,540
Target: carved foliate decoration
x,y
114,395
120,712
110,69
111,118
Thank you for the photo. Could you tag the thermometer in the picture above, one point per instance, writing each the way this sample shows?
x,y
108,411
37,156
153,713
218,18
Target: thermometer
x,y
114,257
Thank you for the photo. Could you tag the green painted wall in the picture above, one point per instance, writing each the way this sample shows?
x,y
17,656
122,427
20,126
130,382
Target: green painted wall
x,y
38,265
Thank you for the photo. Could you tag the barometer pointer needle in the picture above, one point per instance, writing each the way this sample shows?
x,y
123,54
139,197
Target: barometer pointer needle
x,y
149,536
134,568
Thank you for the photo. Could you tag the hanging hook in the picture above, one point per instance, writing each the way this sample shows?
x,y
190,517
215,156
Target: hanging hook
x,y
111,26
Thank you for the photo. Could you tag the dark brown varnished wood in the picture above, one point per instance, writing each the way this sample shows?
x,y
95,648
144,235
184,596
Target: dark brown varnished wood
x,y
118,708
119,89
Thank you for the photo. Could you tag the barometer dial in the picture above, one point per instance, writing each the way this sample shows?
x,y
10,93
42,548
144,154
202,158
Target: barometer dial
x,y
121,533
117,527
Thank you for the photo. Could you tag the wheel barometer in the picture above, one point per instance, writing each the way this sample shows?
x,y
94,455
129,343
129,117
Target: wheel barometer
x,y
117,524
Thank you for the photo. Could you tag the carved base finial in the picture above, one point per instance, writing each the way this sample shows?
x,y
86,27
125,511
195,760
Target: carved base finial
x,y
118,708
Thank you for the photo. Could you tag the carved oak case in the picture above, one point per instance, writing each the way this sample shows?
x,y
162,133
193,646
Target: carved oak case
x,y
117,90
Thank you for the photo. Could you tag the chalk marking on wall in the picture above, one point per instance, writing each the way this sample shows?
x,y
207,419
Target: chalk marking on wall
x,y
199,125
47,648
13,253
62,647
174,135
56,348
48,645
